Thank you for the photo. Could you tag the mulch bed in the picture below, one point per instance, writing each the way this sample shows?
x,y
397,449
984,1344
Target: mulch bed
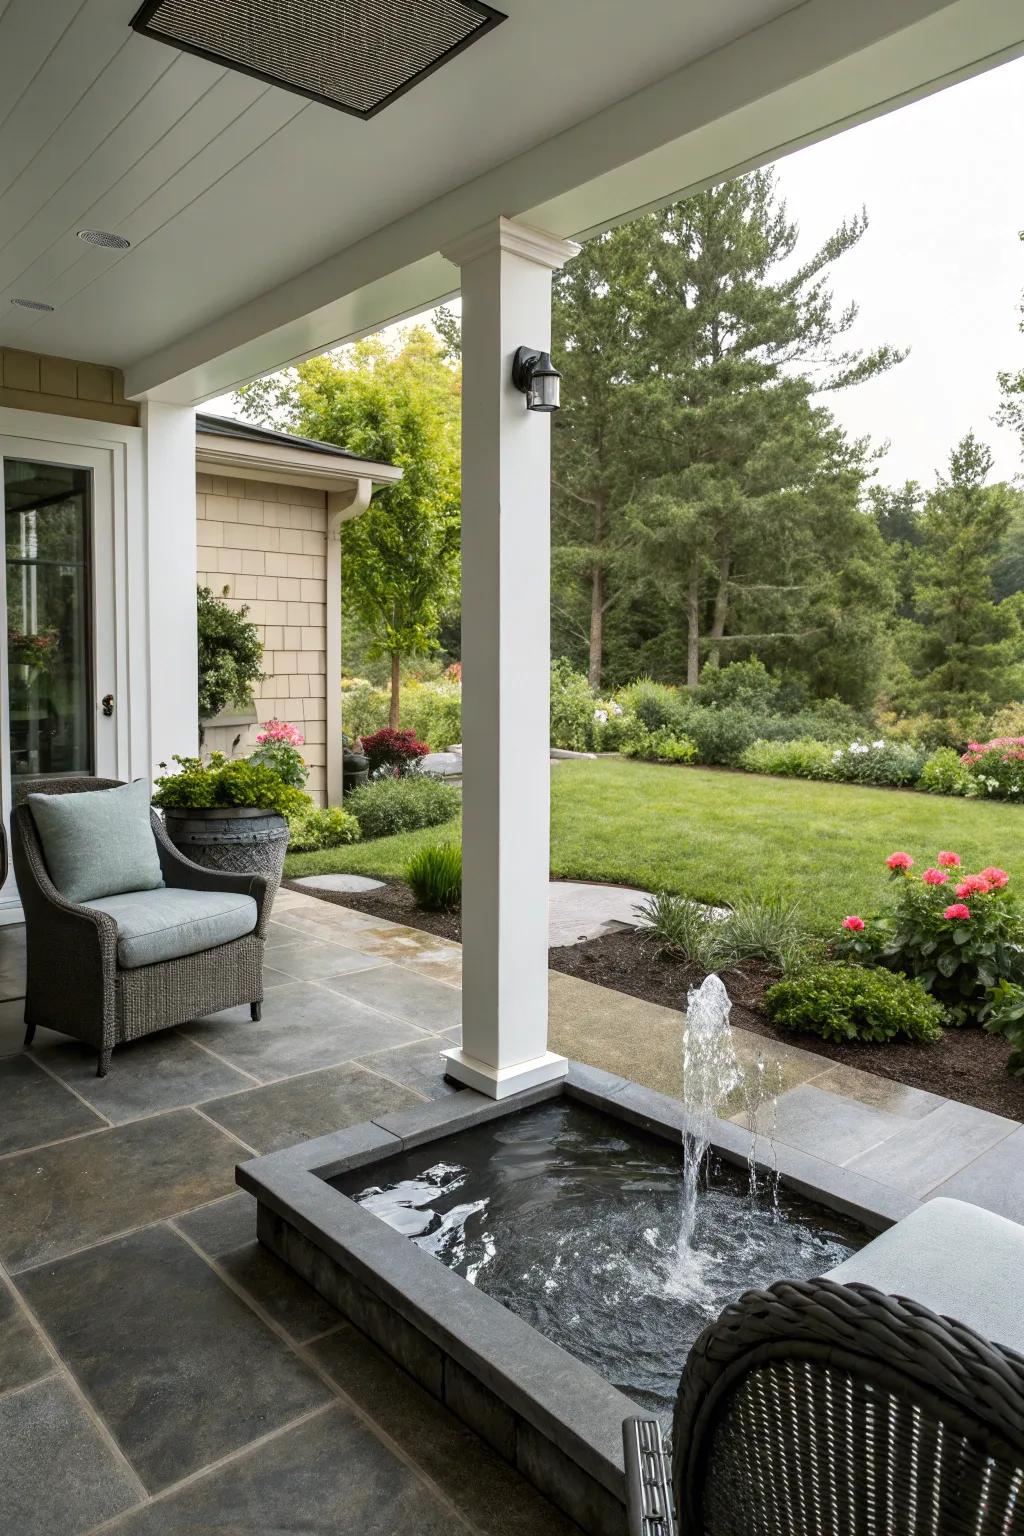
x,y
967,1064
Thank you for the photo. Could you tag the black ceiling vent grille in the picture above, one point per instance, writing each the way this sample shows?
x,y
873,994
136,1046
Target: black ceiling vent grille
x,y
356,55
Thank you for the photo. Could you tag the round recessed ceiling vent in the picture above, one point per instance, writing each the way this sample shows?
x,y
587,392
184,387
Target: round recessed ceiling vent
x,y
105,238
33,304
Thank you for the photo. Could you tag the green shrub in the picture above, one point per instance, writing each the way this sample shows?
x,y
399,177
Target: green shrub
x,y
683,925
364,710
655,705
659,746
313,828
572,709
435,877
893,763
746,683
610,732
204,786
944,774
721,736
1006,1018
230,654
801,759
388,806
853,1002
434,712
1008,721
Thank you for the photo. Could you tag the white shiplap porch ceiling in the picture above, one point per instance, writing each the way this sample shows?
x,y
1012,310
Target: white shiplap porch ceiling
x,y
253,213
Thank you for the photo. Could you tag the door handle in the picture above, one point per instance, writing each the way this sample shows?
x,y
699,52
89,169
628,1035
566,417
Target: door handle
x,y
107,704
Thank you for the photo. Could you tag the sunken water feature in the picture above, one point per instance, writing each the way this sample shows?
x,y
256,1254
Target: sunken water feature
x,y
572,1221
542,1265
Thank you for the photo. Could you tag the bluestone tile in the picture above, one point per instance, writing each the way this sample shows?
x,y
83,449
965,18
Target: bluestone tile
x,y
304,1026
23,1355
419,1066
181,1370
58,1477
301,1108
994,1180
329,1476
930,1151
825,1124
161,1071
58,1199
34,1109
403,994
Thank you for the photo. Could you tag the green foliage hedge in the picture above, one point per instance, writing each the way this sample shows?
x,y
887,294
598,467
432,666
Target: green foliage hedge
x,y
387,806
853,1002
800,759
313,828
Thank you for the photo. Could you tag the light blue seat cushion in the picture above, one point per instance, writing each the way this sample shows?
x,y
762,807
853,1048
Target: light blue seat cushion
x,y
168,923
954,1258
98,842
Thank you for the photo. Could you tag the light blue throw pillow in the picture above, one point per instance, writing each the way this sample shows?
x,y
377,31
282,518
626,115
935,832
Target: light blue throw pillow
x,y
99,842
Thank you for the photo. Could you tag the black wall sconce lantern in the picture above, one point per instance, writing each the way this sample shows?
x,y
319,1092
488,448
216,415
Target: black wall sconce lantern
x,y
536,375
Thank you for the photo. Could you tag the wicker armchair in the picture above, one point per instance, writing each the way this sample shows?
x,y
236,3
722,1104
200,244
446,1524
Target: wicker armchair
x,y
823,1409
74,983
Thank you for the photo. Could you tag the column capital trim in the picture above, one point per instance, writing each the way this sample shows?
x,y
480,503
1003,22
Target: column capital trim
x,y
502,234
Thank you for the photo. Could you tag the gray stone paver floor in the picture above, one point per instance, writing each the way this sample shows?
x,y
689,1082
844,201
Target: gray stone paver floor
x,y
160,1372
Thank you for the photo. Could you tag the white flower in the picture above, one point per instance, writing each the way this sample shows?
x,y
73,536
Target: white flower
x,y
602,715
878,745
616,709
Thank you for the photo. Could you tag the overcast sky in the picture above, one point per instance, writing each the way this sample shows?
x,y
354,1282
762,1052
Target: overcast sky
x,y
940,270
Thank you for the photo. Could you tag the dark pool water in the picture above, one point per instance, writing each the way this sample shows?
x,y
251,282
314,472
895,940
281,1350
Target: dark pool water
x,y
571,1220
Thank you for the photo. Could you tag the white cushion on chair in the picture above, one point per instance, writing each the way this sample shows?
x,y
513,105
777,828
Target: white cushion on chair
x,y
954,1258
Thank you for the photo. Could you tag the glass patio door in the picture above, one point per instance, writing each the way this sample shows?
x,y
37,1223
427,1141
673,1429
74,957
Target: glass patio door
x,y
57,689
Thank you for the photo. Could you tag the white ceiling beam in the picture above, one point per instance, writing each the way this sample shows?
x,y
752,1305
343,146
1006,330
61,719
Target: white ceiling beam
x,y
818,68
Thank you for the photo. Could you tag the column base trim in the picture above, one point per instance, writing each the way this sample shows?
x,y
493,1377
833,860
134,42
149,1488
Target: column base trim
x,y
503,1082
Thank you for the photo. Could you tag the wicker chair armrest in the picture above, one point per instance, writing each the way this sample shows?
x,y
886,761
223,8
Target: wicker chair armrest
x,y
180,872
42,900
649,1505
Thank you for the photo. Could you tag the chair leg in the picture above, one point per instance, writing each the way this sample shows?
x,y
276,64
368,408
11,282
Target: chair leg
x,y
256,1012
30,1034
104,1062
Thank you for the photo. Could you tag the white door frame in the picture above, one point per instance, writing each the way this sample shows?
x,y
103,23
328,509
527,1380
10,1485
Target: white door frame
x,y
114,457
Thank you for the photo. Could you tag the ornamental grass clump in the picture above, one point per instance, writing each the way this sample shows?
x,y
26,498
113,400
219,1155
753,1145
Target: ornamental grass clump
x,y
959,934
434,875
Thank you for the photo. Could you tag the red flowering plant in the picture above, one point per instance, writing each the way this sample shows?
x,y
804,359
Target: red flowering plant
x,y
996,767
959,934
393,754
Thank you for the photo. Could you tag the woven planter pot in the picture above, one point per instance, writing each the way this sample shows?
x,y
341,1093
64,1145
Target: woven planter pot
x,y
235,838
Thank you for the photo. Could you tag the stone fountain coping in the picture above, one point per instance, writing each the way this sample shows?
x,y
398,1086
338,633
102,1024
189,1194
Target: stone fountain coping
x,y
562,1399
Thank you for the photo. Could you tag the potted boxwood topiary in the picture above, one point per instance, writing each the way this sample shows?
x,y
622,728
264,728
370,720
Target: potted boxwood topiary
x,y
229,814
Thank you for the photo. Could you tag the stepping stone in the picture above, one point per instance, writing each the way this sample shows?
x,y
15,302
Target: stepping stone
x,y
442,765
579,911
339,883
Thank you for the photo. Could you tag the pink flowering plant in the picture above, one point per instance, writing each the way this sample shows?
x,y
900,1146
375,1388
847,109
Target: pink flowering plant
x,y
277,747
958,933
996,767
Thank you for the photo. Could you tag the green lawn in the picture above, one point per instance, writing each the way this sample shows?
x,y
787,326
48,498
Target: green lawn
x,y
719,836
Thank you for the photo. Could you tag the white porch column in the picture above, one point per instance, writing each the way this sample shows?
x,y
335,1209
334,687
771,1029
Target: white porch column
x,y
506,303
170,477
341,507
